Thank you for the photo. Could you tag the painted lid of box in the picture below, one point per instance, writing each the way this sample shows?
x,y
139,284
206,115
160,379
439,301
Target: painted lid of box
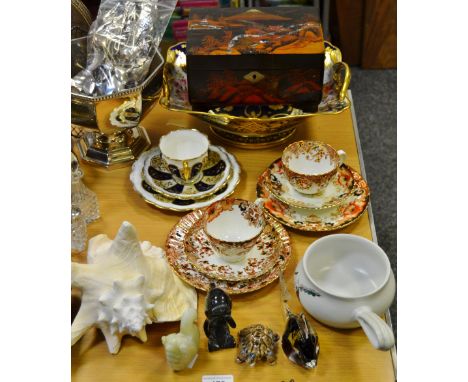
x,y
268,30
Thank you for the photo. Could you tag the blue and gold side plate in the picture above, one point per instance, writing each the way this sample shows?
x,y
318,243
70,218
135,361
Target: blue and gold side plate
x,y
157,199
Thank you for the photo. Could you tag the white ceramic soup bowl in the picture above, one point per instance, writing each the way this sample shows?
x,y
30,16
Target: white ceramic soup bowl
x,y
184,153
233,227
346,281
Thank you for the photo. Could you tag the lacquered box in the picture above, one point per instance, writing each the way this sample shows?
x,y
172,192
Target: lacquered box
x,y
254,56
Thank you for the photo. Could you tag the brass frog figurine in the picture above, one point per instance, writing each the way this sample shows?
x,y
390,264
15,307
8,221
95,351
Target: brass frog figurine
x,y
218,319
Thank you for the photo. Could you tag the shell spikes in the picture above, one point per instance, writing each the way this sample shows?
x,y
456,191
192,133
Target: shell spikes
x,y
125,286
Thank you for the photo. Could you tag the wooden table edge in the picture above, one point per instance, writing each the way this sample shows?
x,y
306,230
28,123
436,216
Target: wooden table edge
x,y
388,317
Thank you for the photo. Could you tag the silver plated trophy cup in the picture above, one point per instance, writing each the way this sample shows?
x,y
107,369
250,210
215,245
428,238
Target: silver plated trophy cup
x,y
106,129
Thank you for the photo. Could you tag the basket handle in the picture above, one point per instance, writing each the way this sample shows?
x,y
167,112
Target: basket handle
x,y
342,79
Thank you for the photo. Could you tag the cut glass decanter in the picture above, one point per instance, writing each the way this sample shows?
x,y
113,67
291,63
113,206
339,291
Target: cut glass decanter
x,y
78,230
81,196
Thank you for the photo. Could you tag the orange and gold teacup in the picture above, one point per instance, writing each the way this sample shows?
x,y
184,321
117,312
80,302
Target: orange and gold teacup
x,y
233,227
310,165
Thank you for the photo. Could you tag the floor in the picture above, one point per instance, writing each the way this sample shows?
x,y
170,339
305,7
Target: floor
x,y
375,102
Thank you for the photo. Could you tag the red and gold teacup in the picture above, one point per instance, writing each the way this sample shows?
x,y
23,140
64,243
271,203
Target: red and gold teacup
x,y
310,165
233,227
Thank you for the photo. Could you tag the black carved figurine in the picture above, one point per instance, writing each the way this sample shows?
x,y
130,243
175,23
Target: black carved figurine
x,y
218,319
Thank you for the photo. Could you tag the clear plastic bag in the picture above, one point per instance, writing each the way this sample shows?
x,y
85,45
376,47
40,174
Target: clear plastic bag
x,y
122,42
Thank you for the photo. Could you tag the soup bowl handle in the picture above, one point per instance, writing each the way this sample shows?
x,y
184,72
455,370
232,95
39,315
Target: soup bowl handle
x,y
379,333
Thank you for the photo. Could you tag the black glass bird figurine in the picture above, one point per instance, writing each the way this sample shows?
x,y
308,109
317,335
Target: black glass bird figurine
x,y
300,340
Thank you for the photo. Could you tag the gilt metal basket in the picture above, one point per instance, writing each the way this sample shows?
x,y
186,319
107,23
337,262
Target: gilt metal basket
x,y
255,126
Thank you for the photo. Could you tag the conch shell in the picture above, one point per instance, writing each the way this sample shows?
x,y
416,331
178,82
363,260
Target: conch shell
x,y
126,285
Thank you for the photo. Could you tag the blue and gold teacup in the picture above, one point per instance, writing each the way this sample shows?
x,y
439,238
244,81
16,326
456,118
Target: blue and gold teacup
x,y
184,152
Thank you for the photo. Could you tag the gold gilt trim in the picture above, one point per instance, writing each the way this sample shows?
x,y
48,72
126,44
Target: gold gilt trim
x,y
360,183
190,207
186,209
83,11
185,197
302,228
252,145
300,207
186,159
185,224
332,56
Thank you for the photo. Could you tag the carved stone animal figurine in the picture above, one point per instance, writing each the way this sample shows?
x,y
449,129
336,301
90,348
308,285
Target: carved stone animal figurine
x,y
218,319
182,348
126,285
257,342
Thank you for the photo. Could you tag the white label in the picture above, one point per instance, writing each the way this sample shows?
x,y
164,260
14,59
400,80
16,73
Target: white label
x,y
218,378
